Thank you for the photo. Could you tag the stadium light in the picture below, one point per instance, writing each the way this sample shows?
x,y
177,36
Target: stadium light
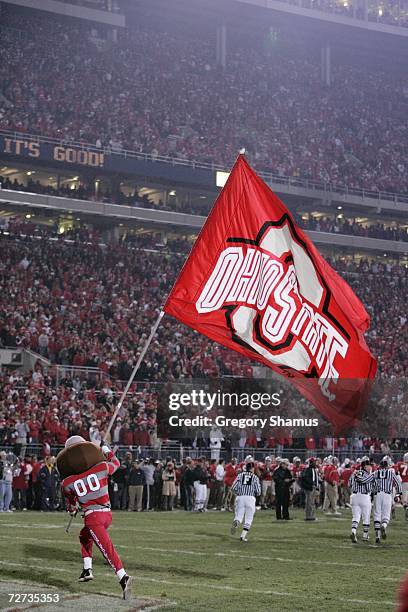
x,y
221,178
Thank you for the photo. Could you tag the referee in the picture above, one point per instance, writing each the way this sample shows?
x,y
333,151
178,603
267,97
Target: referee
x,y
247,487
384,482
361,485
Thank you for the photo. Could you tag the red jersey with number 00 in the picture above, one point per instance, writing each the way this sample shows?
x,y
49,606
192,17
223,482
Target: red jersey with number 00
x,y
90,489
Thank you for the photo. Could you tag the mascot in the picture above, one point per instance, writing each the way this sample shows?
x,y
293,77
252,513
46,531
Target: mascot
x,y
84,470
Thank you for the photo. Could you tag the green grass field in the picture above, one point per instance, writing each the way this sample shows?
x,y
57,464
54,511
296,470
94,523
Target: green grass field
x,y
190,562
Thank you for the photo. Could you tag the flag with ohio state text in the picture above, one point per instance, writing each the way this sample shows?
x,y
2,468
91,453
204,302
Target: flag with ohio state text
x,y
255,283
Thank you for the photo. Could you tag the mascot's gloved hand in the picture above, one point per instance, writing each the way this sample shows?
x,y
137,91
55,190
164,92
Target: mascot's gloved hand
x,y
106,449
73,510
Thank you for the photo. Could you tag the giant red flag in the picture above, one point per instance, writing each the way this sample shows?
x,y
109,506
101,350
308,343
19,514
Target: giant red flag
x,y
255,283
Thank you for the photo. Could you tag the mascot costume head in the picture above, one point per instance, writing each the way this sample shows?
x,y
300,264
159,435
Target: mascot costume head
x,y
78,456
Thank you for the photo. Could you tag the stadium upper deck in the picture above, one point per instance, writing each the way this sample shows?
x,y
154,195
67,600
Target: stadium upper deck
x,y
161,92
390,12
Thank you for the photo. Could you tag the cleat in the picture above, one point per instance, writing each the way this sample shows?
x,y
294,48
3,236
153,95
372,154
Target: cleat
x,y
244,539
366,538
383,532
234,527
353,538
86,576
126,584
377,539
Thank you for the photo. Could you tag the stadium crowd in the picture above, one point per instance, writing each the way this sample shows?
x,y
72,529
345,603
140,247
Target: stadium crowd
x,y
43,408
196,484
344,225
290,123
338,224
37,409
91,304
97,322
81,303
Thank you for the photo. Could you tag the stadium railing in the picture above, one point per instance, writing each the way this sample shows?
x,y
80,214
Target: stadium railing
x,y
95,375
290,181
179,452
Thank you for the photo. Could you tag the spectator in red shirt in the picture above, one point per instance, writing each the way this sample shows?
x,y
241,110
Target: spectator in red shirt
x,y
346,472
231,471
331,486
35,427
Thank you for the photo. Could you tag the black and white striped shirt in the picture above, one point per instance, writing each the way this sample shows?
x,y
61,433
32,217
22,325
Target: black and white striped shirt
x,y
385,480
247,483
361,482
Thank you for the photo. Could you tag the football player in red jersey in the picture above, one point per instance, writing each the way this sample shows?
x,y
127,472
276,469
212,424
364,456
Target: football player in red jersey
x,y
266,471
401,469
346,472
85,469
331,487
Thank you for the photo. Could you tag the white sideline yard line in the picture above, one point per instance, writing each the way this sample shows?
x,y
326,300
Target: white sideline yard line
x,y
295,524
233,553
33,525
230,553
175,533
125,546
187,535
225,587
167,551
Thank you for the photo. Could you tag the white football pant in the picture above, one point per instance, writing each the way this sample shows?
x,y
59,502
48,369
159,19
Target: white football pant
x,y
382,509
404,493
360,508
245,510
200,495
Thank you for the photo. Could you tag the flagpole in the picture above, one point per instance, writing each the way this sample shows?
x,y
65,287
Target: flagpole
x,y
132,376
